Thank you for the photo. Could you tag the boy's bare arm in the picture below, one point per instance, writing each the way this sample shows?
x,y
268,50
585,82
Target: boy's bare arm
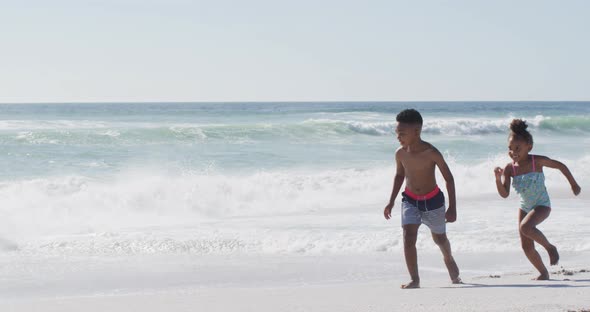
x,y
551,163
451,214
397,184
400,175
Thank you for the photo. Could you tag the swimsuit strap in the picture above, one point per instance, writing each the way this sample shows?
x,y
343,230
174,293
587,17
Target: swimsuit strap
x,y
513,169
534,170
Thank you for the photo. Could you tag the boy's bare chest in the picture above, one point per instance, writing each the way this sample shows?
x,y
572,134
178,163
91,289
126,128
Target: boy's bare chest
x,y
417,161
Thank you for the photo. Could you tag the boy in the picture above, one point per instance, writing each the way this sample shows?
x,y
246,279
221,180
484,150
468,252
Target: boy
x,y
422,200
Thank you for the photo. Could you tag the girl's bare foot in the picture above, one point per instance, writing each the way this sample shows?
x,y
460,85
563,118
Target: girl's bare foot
x,y
411,284
457,280
553,255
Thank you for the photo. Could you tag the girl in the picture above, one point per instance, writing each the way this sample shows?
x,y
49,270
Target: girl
x,y
529,183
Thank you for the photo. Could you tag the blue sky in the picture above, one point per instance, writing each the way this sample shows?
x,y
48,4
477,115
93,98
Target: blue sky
x,y
127,50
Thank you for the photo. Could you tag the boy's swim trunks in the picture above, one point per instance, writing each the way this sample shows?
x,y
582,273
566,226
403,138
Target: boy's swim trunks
x,y
428,209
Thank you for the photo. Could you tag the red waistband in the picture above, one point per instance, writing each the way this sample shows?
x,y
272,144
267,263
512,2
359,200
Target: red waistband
x,y
422,197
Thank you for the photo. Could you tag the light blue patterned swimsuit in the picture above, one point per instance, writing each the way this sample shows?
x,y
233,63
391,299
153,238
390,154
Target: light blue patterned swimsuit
x,y
531,188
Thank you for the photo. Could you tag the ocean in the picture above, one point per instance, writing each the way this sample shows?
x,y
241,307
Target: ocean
x,y
202,179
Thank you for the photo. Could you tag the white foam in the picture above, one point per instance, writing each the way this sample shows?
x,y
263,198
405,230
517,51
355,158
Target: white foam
x,y
283,211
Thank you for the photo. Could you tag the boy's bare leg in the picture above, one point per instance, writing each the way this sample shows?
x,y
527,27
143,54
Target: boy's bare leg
x,y
410,236
528,227
528,246
445,247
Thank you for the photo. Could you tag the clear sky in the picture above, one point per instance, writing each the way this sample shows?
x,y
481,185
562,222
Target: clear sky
x,y
298,50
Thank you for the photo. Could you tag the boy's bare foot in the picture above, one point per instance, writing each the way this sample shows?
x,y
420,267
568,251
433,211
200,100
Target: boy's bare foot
x,y
553,255
457,280
411,284
542,277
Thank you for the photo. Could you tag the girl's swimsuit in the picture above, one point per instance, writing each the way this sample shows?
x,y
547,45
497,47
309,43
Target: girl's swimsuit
x,y
531,188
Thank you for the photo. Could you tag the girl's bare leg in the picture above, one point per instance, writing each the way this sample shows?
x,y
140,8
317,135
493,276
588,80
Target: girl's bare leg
x,y
528,227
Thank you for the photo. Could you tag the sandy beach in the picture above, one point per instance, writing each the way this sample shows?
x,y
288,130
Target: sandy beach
x,y
300,283
485,294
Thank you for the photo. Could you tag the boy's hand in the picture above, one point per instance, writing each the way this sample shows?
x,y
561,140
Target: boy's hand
x,y
576,189
387,211
498,172
451,214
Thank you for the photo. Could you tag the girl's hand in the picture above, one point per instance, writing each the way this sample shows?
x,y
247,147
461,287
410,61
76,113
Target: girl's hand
x,y
498,172
576,189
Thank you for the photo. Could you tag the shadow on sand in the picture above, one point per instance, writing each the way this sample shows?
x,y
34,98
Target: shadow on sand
x,y
478,285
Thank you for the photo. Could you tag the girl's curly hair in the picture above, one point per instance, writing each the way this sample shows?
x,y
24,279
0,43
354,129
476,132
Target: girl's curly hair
x,y
518,128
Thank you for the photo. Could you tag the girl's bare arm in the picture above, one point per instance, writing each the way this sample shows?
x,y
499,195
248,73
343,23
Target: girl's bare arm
x,y
552,163
503,187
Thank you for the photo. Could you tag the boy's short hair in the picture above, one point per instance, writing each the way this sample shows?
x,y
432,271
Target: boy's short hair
x,y
410,116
